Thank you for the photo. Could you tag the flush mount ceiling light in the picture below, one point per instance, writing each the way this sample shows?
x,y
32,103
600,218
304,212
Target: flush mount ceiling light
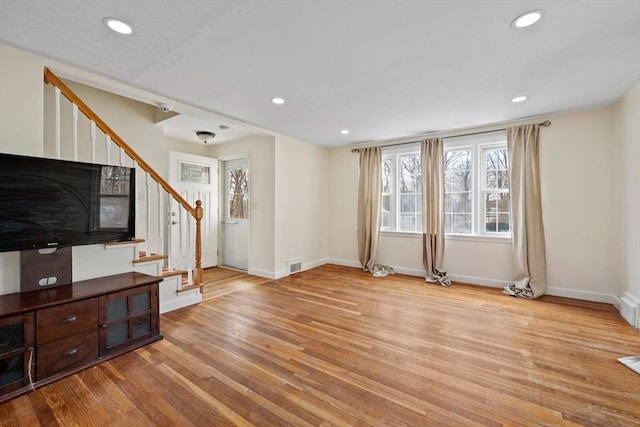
x,y
205,136
118,26
526,19
344,131
520,98
278,101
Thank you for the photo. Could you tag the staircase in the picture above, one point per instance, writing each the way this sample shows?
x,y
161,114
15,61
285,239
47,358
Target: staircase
x,y
182,283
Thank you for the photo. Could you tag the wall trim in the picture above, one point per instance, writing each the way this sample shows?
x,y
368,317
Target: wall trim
x,y
344,263
587,296
314,264
262,273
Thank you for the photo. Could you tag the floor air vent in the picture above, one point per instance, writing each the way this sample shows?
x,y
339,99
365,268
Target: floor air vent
x,y
294,265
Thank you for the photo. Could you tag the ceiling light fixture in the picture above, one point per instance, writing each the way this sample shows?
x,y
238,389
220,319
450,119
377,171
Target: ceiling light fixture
x,y
205,136
526,19
344,131
520,98
118,26
278,101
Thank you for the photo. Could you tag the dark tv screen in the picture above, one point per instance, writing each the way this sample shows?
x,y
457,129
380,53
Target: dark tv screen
x,y
47,203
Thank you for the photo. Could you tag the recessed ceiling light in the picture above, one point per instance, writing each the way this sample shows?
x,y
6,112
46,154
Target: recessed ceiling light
x,y
526,19
278,101
520,98
118,26
344,131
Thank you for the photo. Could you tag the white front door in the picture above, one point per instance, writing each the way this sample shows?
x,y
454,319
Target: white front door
x,y
236,214
195,178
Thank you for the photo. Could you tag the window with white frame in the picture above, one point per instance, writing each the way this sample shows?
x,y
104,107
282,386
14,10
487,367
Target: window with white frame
x,y
476,181
401,190
477,185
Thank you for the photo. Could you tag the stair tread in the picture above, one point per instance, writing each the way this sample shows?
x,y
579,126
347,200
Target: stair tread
x,y
125,242
153,257
167,273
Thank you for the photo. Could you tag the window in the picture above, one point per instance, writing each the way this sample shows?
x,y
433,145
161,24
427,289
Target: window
x,y
238,202
477,185
401,190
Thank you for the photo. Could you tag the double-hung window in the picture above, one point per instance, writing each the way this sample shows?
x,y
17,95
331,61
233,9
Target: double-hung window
x,y
476,183
477,186
401,190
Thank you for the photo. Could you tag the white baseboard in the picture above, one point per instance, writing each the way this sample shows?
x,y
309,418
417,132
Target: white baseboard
x,y
587,296
314,264
262,273
482,281
344,263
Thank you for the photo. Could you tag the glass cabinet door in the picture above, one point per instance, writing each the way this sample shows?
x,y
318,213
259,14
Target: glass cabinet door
x,y
127,317
16,347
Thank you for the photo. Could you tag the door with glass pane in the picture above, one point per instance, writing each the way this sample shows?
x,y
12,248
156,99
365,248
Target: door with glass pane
x,y
236,216
128,317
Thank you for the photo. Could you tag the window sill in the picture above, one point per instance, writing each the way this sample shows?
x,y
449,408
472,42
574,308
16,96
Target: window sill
x,y
458,237
505,240
411,234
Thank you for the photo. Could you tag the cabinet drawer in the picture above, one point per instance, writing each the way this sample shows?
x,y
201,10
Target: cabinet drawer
x,y
65,320
66,353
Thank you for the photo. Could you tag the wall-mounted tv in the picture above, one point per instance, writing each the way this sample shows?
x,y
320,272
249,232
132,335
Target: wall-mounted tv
x,y
48,203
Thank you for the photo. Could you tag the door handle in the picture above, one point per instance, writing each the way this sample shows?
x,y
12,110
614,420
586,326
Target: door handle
x,y
231,222
175,222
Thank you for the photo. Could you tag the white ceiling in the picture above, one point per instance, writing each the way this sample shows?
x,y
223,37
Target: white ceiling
x,y
380,68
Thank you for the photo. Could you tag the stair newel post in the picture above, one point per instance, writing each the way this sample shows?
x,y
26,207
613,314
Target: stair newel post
x,y
198,269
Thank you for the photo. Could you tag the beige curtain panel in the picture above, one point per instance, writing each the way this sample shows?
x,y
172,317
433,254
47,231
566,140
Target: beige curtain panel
x,y
527,231
369,206
431,153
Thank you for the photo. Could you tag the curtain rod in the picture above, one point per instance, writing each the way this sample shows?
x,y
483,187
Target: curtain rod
x,y
545,124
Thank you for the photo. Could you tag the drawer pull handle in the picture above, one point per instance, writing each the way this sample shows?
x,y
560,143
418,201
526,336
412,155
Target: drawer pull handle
x,y
70,352
70,319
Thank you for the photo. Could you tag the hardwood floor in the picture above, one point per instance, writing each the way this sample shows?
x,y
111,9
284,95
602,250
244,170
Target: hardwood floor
x,y
335,346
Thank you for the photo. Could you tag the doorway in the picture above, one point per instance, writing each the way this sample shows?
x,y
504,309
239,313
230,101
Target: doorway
x,y
236,207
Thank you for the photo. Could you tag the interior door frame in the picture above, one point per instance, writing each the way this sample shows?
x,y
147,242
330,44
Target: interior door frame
x,y
222,191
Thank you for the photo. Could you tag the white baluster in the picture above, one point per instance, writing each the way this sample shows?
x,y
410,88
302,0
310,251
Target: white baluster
x,y
189,251
57,123
169,226
107,145
148,238
93,141
121,156
75,131
160,222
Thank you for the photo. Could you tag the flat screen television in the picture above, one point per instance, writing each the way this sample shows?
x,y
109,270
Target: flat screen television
x,y
48,203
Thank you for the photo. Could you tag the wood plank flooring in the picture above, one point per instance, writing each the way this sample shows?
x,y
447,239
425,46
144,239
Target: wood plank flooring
x,y
336,346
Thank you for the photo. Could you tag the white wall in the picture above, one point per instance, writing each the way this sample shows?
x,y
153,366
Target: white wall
x,y
261,152
301,227
21,86
627,185
576,181
343,206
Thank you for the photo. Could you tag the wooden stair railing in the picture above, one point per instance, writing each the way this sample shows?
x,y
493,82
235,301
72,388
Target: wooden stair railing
x,y
196,212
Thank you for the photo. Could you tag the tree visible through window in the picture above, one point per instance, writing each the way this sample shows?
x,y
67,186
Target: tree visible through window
x,y
458,191
476,187
476,179
496,190
401,191
238,194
